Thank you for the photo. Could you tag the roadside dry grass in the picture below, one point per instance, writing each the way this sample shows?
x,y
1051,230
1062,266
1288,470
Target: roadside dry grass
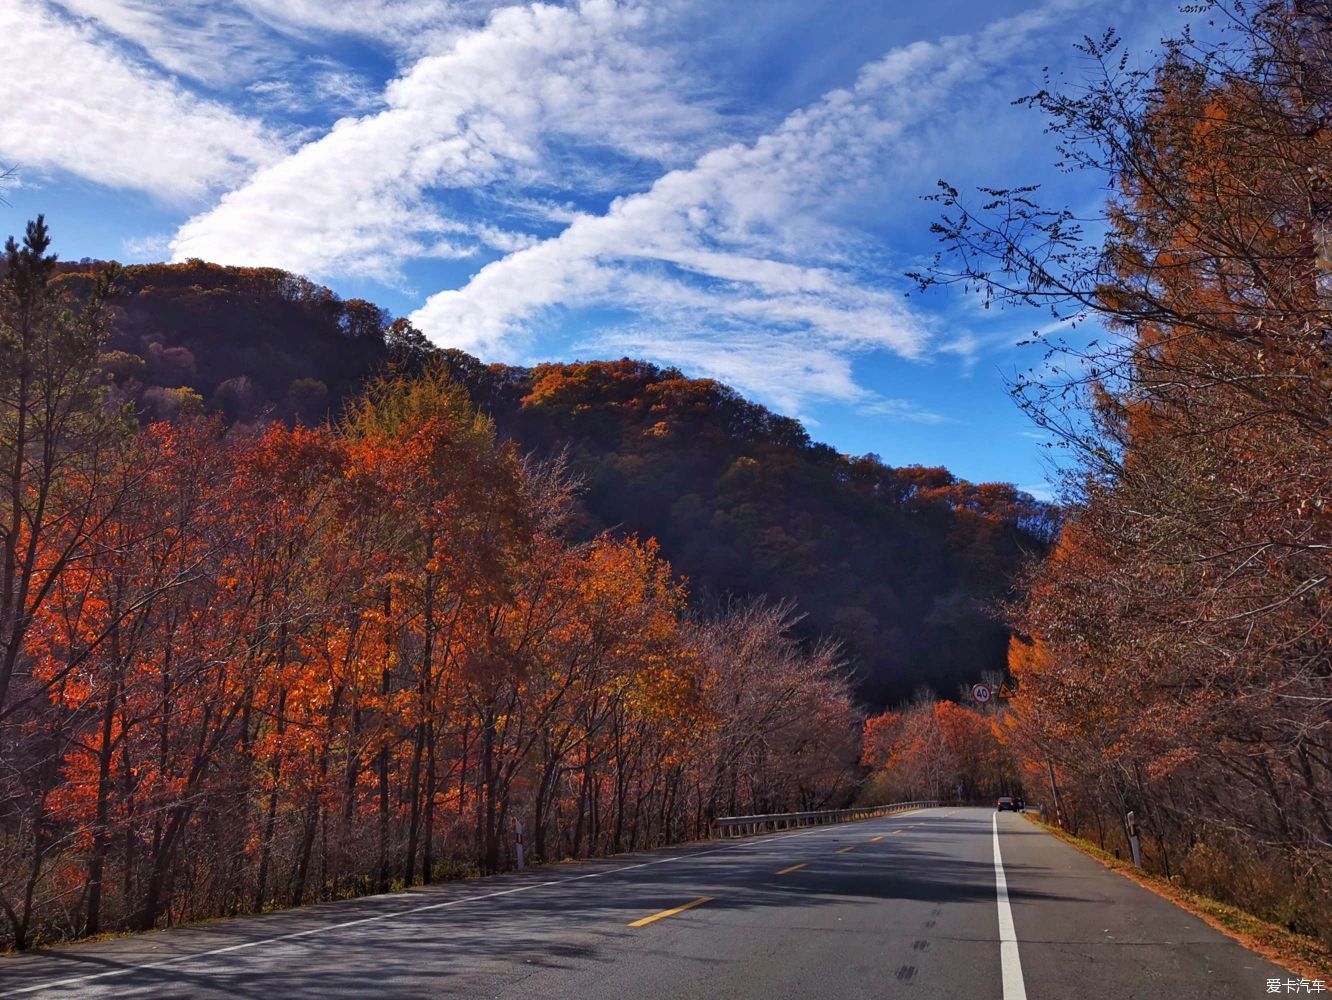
x,y
1303,956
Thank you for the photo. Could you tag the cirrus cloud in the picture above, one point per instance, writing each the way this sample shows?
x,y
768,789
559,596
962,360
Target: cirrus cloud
x,y
741,244
70,101
356,201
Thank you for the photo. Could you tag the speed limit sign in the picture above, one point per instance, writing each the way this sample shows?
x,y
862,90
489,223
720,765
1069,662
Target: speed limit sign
x,y
981,693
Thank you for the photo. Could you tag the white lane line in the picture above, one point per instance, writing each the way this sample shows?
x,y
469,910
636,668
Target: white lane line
x,y
1009,961
399,913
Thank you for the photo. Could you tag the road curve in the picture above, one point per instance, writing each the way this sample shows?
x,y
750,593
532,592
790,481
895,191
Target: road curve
x,y
934,903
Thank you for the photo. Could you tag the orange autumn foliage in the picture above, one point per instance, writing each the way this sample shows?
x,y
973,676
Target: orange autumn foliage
x,y
295,664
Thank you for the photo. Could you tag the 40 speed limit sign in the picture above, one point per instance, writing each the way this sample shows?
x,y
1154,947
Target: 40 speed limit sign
x,y
981,693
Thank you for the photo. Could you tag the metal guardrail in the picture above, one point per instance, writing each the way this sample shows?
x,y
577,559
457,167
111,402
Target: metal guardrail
x,y
744,826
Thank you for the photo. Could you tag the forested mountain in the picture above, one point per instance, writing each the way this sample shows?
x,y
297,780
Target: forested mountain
x,y
902,564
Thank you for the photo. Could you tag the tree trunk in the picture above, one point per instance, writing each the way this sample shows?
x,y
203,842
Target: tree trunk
x,y
584,794
428,833
270,821
490,839
92,923
310,825
414,797
383,763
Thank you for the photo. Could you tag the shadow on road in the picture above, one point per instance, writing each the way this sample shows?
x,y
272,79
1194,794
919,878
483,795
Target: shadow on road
x,y
505,938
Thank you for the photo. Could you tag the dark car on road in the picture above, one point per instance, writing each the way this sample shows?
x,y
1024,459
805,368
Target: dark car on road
x,y
1006,803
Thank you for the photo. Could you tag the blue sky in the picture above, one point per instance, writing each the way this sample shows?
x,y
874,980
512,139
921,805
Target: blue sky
x,y
729,186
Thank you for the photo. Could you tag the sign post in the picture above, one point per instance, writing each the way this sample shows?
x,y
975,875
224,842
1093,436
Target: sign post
x,y
980,693
520,854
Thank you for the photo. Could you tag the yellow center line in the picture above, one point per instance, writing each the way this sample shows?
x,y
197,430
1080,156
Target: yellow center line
x,y
843,850
895,831
671,912
793,868
875,840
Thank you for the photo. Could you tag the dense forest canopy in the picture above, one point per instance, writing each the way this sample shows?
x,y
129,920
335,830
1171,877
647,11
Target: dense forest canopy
x,y
904,565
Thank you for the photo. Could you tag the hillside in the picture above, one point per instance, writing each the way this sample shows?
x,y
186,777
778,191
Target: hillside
x,y
902,564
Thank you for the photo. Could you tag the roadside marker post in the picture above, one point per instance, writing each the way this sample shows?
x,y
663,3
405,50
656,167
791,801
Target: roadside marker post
x,y
1054,793
1135,845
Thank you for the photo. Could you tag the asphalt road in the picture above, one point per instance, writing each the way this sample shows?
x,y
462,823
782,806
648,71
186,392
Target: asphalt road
x,y
913,905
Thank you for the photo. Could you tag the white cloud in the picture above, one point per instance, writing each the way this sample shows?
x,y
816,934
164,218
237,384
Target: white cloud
x,y
343,88
69,101
408,25
750,256
321,85
148,248
1041,491
905,409
356,200
186,36
737,242
788,372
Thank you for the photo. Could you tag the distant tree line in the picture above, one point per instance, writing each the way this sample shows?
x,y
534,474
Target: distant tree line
x,y
951,751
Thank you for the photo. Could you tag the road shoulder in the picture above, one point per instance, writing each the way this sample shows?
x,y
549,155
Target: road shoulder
x,y
1302,955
